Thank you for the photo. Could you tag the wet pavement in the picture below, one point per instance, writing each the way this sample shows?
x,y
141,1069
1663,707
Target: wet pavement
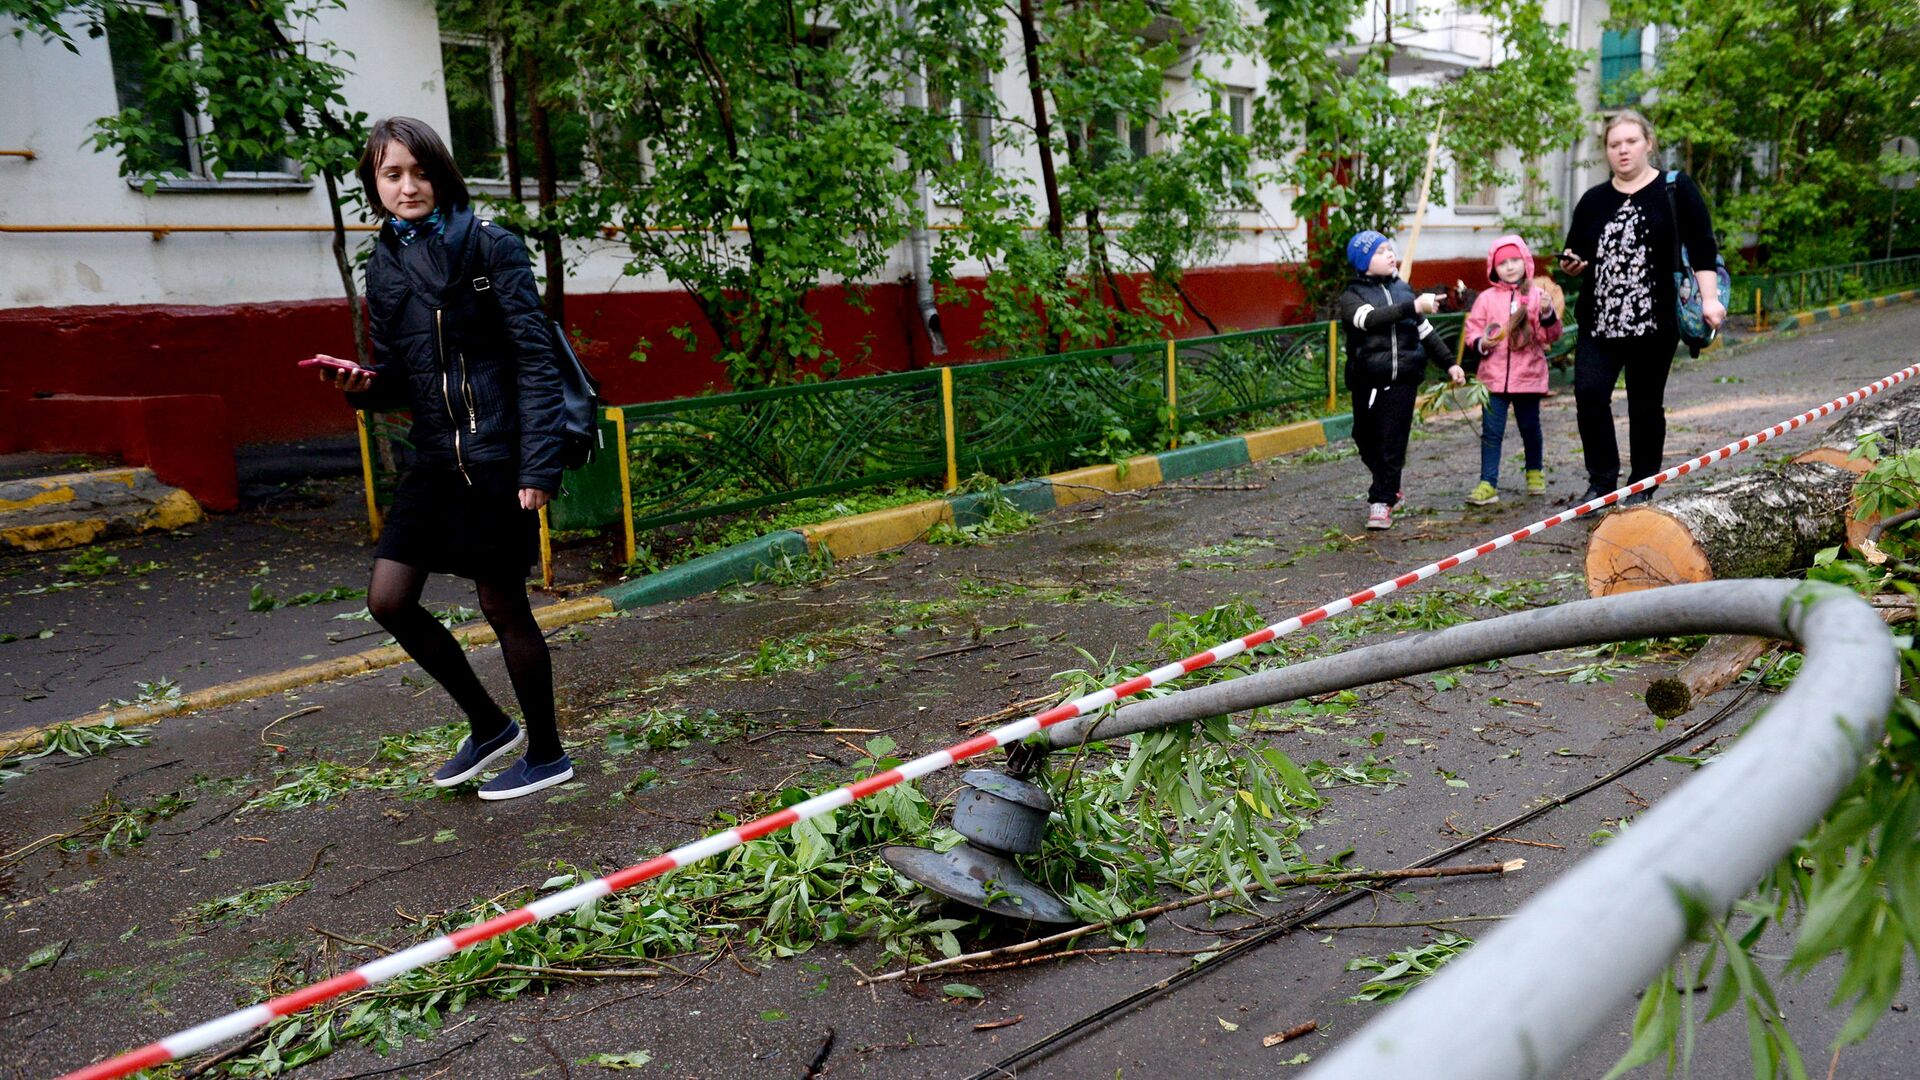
x,y
912,644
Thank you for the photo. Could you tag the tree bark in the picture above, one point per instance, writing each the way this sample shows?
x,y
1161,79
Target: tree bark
x,y
1042,130
1714,668
1756,524
1892,415
549,236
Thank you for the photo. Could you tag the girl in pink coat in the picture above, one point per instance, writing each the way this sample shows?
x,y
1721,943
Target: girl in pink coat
x,y
1510,327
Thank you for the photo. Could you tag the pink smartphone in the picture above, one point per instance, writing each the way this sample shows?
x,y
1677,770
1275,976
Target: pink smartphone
x,y
339,365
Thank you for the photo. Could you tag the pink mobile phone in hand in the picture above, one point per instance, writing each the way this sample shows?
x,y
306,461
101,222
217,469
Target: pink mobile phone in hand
x,y
338,365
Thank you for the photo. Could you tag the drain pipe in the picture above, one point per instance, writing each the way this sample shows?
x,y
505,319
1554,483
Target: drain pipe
x,y
1535,989
920,240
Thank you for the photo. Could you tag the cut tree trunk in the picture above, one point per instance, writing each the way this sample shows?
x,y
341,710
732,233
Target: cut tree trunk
x,y
1757,524
1893,415
1712,669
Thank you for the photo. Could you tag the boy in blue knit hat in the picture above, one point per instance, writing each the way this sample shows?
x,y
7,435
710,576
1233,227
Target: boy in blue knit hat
x,y
1387,336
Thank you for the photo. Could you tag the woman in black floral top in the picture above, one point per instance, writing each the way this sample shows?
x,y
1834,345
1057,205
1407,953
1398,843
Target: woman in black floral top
x,y
1624,230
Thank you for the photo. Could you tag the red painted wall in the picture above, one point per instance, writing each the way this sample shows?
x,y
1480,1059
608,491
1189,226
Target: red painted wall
x,y
246,352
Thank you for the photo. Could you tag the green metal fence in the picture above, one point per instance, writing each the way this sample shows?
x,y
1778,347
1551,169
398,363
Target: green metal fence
x,y
1768,295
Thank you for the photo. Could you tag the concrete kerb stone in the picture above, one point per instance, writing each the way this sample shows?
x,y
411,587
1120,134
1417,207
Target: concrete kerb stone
x,y
1852,307
54,513
860,534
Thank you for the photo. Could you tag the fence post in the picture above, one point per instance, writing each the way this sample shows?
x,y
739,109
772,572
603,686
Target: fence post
x,y
1333,348
946,415
546,551
366,473
1759,312
1173,402
619,418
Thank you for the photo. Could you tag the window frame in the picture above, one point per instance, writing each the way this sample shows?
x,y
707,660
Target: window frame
x,y
199,123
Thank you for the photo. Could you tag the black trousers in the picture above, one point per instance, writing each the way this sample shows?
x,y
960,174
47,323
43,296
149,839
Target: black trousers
x,y
1382,418
1597,363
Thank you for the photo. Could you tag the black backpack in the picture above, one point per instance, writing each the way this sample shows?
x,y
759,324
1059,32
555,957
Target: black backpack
x,y
579,391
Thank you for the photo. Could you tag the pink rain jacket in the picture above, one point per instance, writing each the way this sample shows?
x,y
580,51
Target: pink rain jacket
x,y
1504,370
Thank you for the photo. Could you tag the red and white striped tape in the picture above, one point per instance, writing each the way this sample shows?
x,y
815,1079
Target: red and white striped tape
x,y
195,1039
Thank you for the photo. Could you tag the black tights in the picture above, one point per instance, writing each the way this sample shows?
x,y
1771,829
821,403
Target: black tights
x,y
393,598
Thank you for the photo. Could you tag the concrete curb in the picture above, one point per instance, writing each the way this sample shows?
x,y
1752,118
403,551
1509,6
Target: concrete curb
x,y
54,513
860,534
1852,307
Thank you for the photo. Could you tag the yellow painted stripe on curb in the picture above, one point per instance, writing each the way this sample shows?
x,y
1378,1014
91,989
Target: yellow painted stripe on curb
x,y
257,686
48,495
54,535
1284,440
1093,481
877,530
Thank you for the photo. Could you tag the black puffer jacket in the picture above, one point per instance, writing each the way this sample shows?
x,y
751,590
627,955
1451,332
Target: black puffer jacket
x,y
459,338
1385,337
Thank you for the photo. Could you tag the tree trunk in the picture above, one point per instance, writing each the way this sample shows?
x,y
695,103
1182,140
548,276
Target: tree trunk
x,y
1042,131
510,92
1756,524
1714,668
549,236
1892,415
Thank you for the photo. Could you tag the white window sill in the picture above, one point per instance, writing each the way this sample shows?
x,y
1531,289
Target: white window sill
x,y
264,184
1481,211
529,188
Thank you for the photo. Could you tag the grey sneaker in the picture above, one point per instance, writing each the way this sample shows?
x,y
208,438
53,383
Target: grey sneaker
x,y
470,760
1379,516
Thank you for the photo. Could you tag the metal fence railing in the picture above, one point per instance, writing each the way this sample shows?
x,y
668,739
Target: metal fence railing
x,y
1765,296
670,462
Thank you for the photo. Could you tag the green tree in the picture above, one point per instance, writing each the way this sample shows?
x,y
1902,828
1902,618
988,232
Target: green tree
x,y
1780,110
1354,145
1131,187
271,94
750,149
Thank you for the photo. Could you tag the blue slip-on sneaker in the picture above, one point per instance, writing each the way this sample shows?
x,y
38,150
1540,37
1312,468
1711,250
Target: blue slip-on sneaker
x,y
470,760
521,778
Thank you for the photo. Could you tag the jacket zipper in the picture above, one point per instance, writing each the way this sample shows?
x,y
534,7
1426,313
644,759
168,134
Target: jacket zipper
x,y
466,395
1393,337
446,396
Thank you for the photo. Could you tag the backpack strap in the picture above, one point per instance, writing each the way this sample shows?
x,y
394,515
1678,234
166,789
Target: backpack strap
x,y
1673,213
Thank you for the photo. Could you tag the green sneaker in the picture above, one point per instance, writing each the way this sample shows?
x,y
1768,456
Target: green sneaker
x,y
1483,495
1536,482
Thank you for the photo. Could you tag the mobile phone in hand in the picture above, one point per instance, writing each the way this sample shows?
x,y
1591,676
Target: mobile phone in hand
x,y
337,365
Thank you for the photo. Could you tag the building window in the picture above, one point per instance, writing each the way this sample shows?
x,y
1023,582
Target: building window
x,y
475,80
1470,197
1237,104
142,41
1621,58
970,133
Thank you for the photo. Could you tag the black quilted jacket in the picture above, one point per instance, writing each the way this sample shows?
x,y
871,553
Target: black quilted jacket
x,y
1388,343
460,338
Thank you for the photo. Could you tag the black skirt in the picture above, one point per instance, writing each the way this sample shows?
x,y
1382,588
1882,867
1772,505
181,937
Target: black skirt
x,y
442,524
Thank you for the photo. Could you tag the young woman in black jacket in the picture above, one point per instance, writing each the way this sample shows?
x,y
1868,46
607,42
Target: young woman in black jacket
x,y
459,339
1625,229
1389,343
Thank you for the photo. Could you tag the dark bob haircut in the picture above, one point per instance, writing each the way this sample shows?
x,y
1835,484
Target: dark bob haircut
x,y
427,148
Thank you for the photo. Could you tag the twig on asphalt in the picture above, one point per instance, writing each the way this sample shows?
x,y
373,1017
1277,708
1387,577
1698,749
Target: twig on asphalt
x,y
289,716
1448,921
1291,1033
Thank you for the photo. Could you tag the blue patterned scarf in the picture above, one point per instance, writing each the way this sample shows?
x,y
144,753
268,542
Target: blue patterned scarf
x,y
408,231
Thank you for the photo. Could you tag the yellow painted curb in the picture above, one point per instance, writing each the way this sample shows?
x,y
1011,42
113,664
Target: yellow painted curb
x,y
175,509
1080,485
877,530
53,535
1285,439
51,491
563,613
